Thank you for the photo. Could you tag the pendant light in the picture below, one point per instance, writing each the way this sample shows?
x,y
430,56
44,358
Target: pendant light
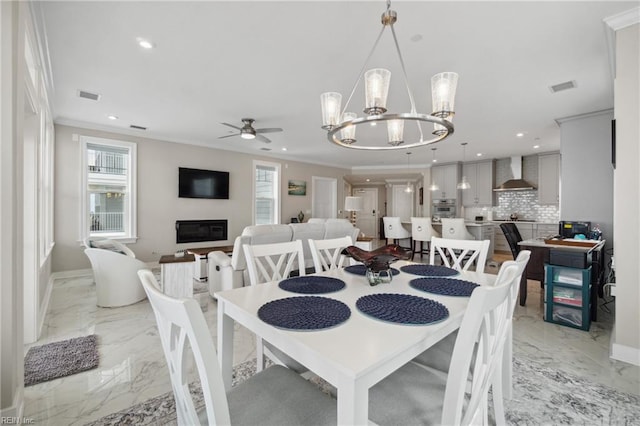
x,y
434,186
409,188
464,183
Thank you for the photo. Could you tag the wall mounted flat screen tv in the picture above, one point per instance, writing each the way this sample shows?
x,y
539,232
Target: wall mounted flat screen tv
x,y
196,183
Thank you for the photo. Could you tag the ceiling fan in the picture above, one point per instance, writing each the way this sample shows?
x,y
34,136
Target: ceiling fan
x,y
248,132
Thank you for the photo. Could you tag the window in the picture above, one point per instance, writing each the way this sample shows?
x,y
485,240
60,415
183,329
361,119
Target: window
x,y
266,193
108,189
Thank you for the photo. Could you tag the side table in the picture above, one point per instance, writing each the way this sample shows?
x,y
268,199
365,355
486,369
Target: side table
x,y
176,275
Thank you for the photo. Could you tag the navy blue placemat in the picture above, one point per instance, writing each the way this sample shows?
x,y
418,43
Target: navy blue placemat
x,y
402,308
444,286
311,284
304,313
362,270
429,270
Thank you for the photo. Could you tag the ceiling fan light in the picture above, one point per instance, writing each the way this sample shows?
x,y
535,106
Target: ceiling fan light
x,y
443,94
247,135
331,103
348,134
376,88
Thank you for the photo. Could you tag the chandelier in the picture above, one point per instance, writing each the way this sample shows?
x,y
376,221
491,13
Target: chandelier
x,y
341,125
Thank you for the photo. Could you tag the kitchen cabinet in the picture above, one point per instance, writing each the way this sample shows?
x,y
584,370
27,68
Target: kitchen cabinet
x,y
483,231
549,179
481,178
446,177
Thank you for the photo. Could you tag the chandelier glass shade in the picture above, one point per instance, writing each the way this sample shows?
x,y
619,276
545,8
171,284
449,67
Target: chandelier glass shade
x,y
409,188
341,125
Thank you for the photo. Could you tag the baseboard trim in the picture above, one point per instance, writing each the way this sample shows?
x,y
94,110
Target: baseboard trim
x,y
625,354
77,273
15,410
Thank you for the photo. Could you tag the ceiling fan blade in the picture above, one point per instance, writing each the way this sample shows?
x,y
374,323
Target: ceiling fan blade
x,y
231,125
269,130
263,138
228,136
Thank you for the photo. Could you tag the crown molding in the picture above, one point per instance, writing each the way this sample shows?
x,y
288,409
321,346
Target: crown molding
x,y
615,23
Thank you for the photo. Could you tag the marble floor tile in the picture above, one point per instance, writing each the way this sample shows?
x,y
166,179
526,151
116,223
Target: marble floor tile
x,y
132,366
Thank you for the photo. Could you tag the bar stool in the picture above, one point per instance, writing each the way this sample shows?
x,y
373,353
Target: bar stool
x,y
422,231
393,229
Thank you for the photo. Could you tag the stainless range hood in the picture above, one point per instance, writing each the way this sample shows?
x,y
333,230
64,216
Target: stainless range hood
x,y
517,183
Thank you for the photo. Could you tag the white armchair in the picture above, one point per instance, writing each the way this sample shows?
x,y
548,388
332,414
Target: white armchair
x,y
116,277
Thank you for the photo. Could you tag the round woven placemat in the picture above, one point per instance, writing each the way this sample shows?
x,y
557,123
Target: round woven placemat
x,y
311,284
402,308
444,286
362,270
304,313
429,270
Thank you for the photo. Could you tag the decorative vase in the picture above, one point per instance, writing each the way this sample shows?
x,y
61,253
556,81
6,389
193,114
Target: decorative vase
x,y
300,216
378,261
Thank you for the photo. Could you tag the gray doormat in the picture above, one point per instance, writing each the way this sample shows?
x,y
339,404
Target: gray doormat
x,y
541,396
60,359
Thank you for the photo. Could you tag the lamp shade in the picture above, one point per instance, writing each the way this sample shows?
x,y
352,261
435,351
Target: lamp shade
x,y
353,204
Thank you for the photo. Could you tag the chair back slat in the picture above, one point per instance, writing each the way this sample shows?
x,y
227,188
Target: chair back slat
x,y
460,254
271,262
180,321
327,254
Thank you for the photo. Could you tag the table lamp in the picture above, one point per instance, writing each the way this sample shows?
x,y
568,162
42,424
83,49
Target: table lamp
x,y
353,205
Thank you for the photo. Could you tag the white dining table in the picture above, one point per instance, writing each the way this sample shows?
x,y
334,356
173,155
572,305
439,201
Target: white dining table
x,y
352,356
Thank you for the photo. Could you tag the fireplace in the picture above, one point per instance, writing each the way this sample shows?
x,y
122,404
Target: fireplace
x,y
193,231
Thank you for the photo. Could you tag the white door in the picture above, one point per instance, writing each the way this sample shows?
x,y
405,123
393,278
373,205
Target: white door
x,y
367,218
401,203
324,201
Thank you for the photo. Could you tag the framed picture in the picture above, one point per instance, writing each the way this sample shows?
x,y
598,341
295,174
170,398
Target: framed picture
x,y
297,187
420,195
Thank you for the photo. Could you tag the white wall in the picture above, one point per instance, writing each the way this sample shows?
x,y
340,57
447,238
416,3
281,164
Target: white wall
x,y
626,339
587,173
158,204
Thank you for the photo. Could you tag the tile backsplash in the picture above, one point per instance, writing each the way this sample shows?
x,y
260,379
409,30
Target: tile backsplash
x,y
524,203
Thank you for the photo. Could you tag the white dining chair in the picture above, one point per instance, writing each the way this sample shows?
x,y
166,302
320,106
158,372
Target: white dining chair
x,y
460,254
393,229
414,395
276,396
422,231
455,229
272,262
438,357
327,254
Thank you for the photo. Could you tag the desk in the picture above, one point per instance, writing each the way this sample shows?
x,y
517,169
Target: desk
x,y
540,255
353,356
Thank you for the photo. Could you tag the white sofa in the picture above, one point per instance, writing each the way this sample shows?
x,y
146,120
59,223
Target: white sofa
x,y
227,272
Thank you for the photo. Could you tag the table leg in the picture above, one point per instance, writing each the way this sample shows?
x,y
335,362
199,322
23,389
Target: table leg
x,y
225,345
353,405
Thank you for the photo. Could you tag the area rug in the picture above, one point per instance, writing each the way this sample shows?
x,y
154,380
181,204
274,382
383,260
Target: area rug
x,y
541,396
60,359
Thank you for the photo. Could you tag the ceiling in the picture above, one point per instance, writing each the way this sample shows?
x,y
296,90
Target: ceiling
x,y
217,62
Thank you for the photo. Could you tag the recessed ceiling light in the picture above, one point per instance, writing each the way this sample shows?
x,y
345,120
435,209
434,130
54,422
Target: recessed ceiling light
x,y
284,148
112,117
145,44
520,134
434,161
479,154
536,146
368,180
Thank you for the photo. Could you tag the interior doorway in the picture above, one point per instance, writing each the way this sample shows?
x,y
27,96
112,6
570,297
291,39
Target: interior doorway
x,y
324,199
367,218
